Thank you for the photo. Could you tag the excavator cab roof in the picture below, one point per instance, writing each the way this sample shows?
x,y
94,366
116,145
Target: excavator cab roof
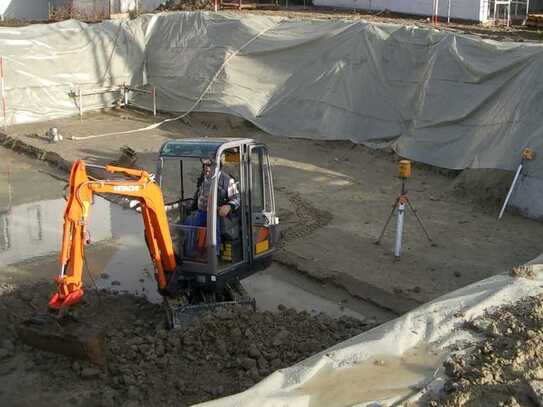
x,y
197,147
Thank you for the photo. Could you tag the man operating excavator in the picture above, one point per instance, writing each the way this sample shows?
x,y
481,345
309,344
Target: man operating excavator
x,y
228,202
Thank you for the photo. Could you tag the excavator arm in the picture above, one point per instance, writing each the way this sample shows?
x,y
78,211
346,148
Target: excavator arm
x,y
140,186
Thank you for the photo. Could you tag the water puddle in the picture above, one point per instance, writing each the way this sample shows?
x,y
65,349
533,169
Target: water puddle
x,y
379,378
277,285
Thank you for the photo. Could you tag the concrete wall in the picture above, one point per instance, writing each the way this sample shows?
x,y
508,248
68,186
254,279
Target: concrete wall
x,y
117,6
129,5
91,8
475,10
150,5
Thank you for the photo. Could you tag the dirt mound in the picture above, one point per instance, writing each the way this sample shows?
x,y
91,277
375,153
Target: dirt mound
x,y
507,367
484,187
219,354
186,5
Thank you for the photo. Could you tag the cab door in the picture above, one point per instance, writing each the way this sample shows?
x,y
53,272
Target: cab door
x,y
262,204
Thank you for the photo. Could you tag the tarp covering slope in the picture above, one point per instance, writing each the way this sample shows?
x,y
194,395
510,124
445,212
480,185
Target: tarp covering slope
x,y
441,98
448,100
394,363
46,65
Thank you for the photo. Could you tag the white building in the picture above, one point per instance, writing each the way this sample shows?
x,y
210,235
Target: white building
x,y
39,9
473,10
116,6
24,9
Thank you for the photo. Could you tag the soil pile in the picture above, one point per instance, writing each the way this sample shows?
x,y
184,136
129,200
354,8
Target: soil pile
x,y
186,5
506,369
220,353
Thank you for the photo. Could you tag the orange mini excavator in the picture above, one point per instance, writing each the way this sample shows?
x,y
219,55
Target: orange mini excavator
x,y
197,264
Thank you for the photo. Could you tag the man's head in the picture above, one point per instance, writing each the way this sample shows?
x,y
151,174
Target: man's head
x,y
207,166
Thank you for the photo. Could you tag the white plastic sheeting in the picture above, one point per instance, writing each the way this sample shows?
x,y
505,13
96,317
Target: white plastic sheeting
x,y
394,363
448,100
44,64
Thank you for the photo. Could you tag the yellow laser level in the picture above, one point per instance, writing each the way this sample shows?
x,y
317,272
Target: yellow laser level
x,y
528,154
404,169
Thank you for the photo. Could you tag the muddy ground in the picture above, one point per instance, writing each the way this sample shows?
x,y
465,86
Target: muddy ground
x,y
498,33
506,368
219,354
333,199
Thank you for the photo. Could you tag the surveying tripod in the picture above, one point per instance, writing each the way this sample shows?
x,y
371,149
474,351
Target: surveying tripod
x,y
399,206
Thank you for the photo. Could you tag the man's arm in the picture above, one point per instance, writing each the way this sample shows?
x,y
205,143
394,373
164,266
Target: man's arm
x,y
233,194
231,201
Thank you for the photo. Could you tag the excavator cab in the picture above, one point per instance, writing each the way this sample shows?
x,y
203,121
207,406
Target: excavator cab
x,y
213,249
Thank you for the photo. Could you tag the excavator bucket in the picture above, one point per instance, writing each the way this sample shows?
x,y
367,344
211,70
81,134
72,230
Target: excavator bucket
x,y
65,336
180,313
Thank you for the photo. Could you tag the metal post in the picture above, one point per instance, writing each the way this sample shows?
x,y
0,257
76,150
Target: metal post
x,y
80,104
399,229
4,99
154,101
511,188
495,10
449,13
125,96
399,221
10,191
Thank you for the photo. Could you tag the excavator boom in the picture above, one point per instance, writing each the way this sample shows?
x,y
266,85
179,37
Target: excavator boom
x,y
140,186
57,332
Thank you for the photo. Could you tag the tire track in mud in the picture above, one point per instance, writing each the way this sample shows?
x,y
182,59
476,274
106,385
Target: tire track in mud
x,y
304,219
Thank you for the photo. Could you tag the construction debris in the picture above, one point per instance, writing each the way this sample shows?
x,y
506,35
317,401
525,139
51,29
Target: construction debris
x,y
186,5
526,271
501,370
53,135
